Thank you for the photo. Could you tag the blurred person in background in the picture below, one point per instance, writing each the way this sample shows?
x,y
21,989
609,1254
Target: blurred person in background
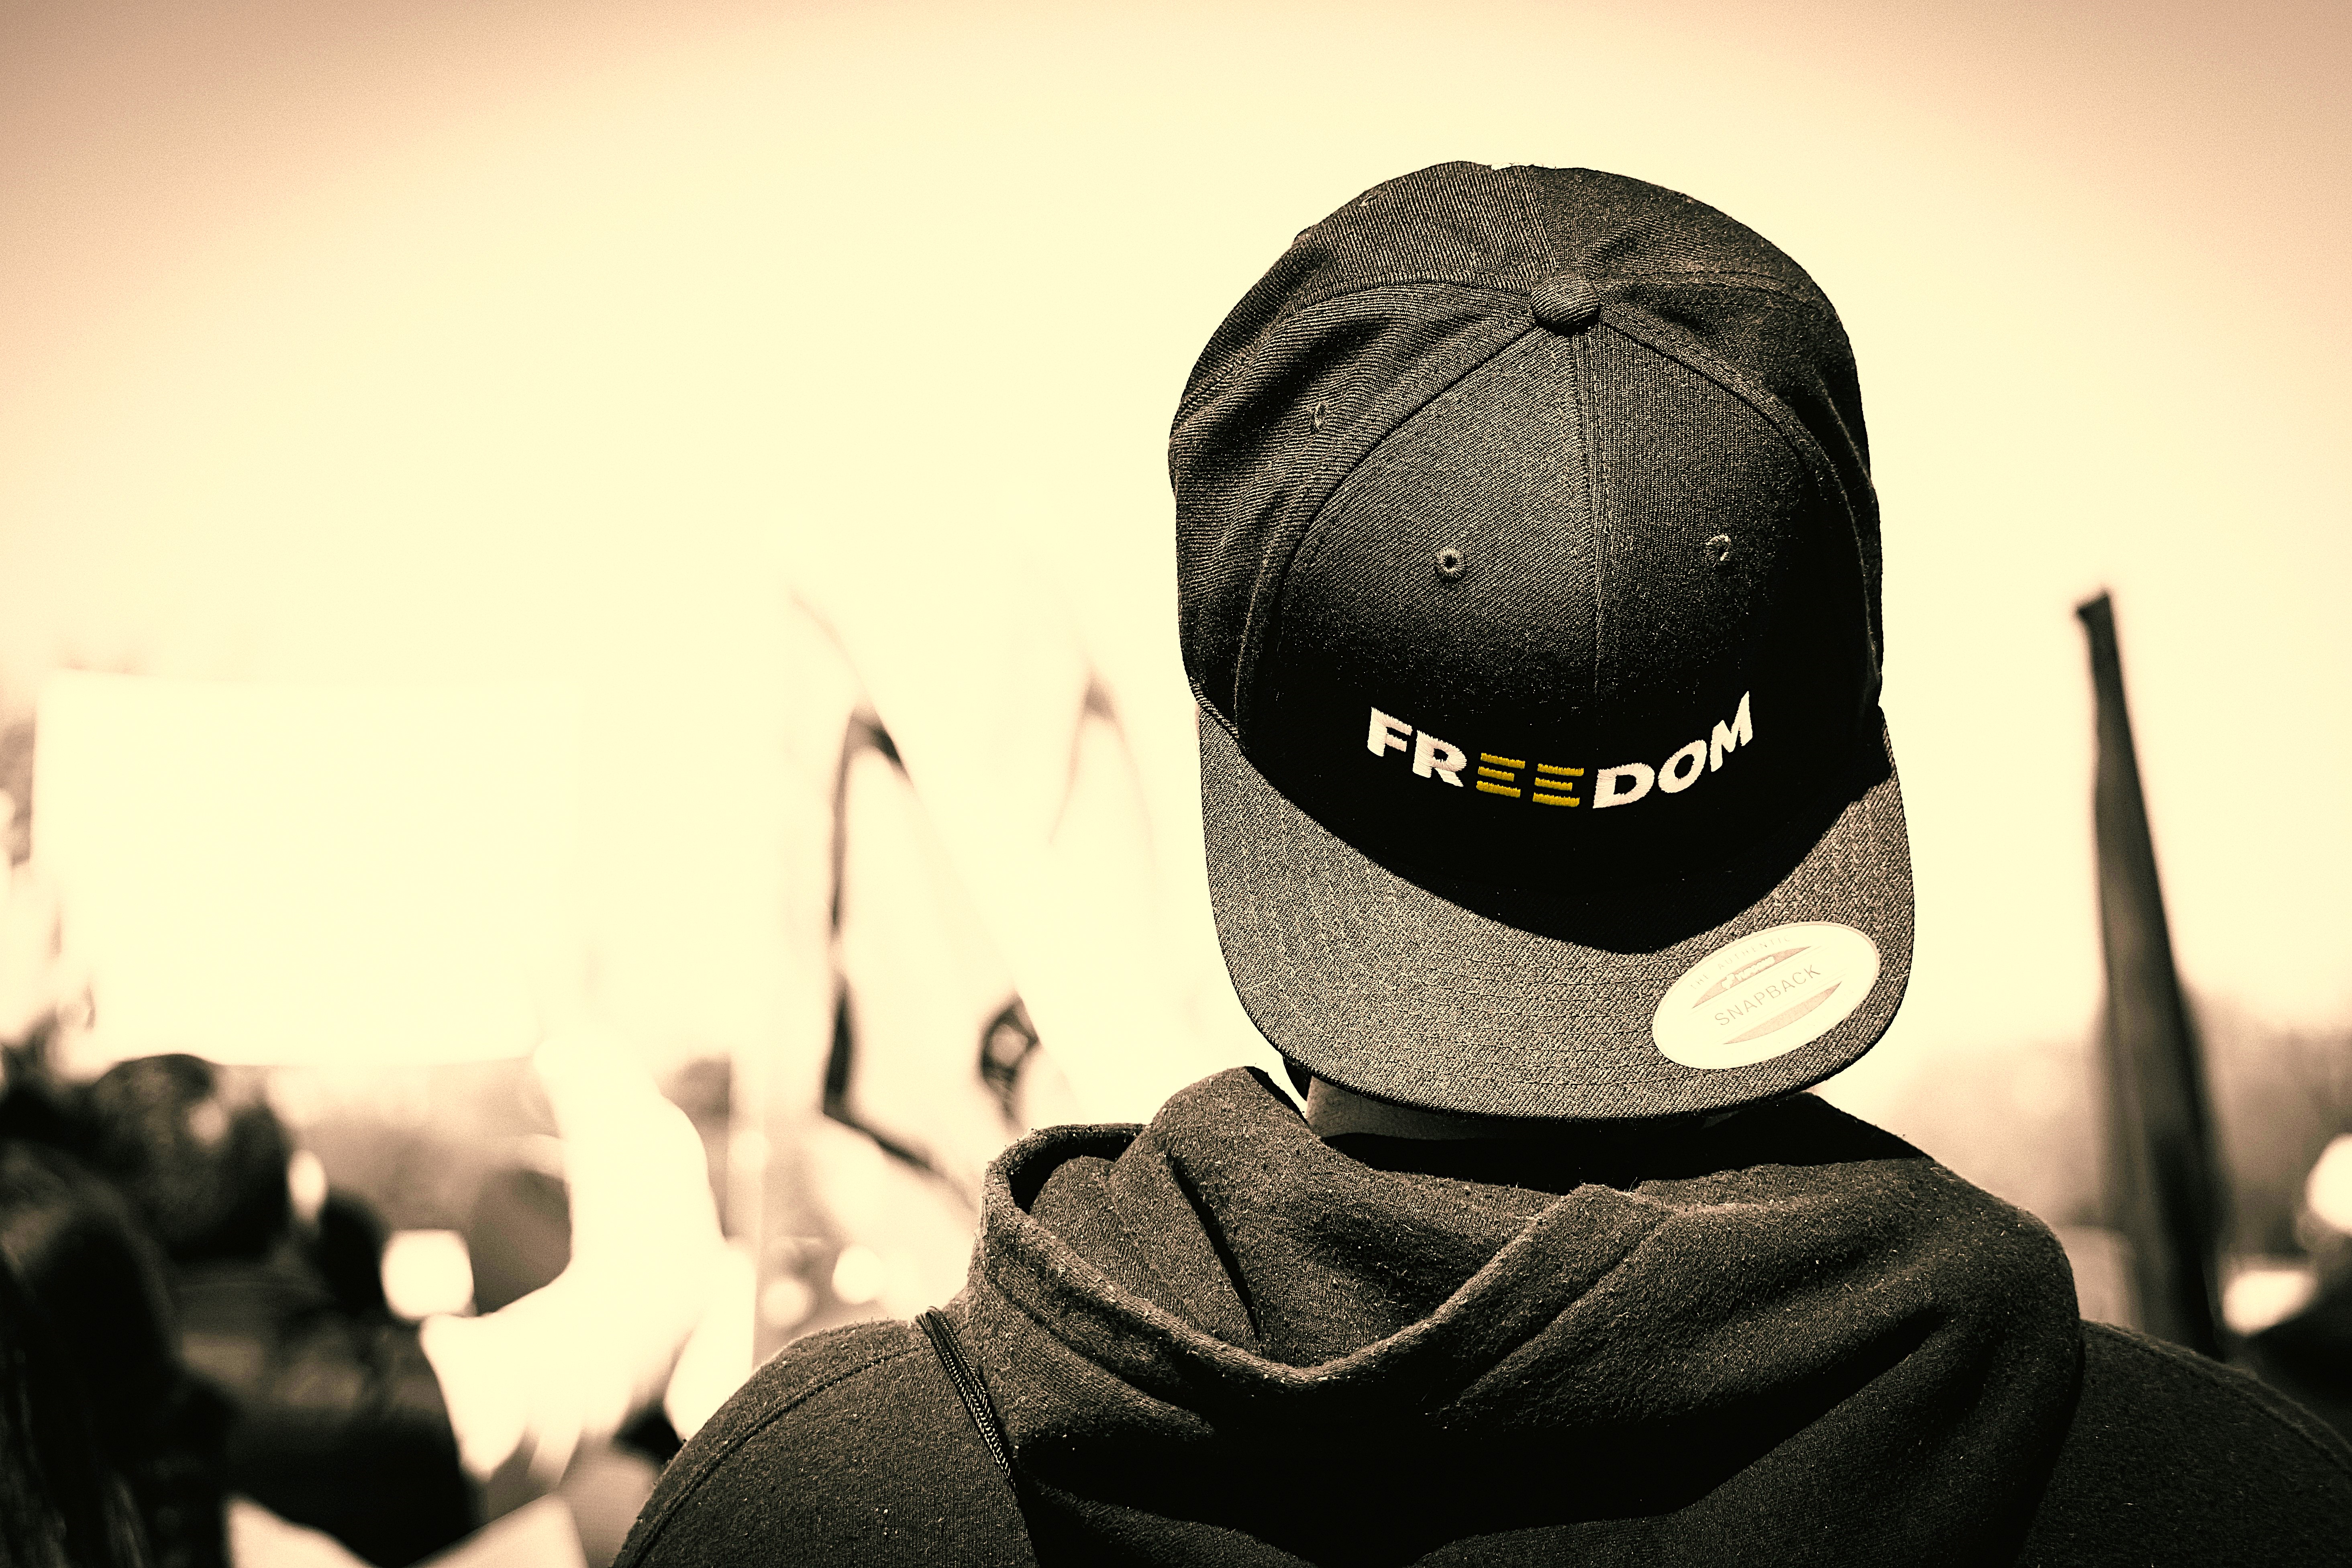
x,y
2309,1353
170,1183
399,1438
114,1451
1558,1263
339,1420
61,1504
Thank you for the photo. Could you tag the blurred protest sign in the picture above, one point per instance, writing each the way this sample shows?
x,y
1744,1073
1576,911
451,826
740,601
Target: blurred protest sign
x,y
294,874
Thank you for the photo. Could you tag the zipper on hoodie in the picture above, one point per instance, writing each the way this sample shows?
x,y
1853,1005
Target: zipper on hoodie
x,y
968,1386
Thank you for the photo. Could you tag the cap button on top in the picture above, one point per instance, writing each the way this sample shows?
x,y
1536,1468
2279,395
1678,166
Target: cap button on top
x,y
1566,301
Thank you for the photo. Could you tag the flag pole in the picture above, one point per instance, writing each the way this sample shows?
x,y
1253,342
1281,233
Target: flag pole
x,y
2163,1177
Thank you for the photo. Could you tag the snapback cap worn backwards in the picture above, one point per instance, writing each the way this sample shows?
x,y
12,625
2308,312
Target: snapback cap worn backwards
x,y
1528,579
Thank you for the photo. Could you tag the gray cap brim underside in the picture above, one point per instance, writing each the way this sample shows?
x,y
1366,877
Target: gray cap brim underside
x,y
1381,986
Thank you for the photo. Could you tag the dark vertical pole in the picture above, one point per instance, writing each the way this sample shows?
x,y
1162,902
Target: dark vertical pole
x,y
2161,1167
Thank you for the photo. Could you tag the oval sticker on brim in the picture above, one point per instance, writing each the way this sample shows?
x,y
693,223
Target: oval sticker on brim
x,y
1764,996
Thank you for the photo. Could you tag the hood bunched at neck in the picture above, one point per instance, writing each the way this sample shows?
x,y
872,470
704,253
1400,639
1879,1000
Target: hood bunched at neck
x,y
1219,1339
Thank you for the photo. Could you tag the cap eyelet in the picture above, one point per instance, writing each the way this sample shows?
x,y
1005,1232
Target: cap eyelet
x,y
1719,551
1450,564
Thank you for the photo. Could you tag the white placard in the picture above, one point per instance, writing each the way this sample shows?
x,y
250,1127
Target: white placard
x,y
284,874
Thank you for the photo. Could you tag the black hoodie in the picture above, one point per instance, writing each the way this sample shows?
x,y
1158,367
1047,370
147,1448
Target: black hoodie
x,y
1221,1339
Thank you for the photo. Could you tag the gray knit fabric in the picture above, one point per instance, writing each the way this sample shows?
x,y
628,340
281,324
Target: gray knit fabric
x,y
1378,984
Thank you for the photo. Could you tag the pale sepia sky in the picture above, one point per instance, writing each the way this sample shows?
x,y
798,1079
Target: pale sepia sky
x,y
510,339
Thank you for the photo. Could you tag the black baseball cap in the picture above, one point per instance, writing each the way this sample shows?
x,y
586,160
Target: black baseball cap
x,y
1529,580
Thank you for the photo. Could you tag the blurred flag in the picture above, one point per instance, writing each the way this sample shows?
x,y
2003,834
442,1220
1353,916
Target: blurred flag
x,y
931,1060
2164,1183
932,1053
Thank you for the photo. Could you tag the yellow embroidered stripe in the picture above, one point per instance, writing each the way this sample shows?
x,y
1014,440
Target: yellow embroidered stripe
x,y
1501,761
1556,768
1543,799
1498,789
1498,774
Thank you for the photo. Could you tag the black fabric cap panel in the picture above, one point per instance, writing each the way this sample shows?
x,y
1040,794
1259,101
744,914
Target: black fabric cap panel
x,y
1388,300
1508,499
1585,625
1344,372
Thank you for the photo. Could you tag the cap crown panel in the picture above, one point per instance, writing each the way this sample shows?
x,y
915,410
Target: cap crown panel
x,y
1493,469
1257,461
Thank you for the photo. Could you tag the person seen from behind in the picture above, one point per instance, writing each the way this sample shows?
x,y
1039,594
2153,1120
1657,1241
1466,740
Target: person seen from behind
x,y
1528,571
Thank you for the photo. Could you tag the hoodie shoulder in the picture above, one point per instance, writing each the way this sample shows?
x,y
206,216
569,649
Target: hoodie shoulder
x,y
2172,1458
849,1446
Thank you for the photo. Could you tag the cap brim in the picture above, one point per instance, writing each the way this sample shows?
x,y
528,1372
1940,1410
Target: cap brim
x,y
1380,985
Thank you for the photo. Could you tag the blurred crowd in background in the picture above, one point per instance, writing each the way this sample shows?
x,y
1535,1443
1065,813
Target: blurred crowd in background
x,y
400,1302
346,1293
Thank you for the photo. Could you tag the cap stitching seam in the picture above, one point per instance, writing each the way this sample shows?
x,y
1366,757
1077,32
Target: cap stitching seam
x,y
1208,705
1775,413
1269,585
1317,533
1595,495
1758,281
1189,404
1782,421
